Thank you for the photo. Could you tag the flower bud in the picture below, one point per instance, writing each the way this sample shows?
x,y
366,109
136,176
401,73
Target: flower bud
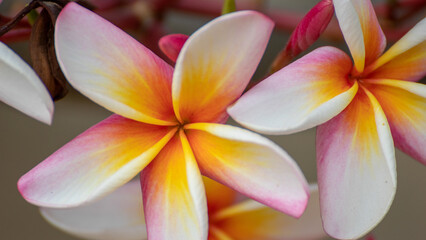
x,y
171,45
306,33
42,50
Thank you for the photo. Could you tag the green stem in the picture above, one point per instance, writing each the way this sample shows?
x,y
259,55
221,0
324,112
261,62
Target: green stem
x,y
32,16
228,6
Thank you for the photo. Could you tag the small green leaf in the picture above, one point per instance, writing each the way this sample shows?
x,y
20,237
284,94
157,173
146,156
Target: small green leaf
x,y
228,6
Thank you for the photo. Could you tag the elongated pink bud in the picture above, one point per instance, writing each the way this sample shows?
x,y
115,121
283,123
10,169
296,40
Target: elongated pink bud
x,y
306,33
171,45
370,237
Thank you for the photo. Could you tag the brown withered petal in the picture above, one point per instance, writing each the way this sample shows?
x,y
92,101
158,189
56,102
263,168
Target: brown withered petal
x,y
42,50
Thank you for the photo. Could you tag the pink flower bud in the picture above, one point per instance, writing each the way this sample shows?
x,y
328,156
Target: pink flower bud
x,y
172,44
306,33
370,237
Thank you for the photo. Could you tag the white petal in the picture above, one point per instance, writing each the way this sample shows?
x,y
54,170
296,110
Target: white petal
x,y
250,164
116,216
306,93
356,168
21,88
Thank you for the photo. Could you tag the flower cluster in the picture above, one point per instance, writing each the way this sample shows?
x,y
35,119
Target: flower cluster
x,y
169,125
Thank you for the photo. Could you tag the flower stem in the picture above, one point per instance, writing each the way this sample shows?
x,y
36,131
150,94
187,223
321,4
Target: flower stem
x,y
27,9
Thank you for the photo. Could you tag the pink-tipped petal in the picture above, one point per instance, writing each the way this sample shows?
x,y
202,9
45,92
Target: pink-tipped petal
x,y
356,168
361,30
118,215
251,220
404,104
172,44
250,164
405,60
95,163
173,194
113,69
21,88
216,64
306,93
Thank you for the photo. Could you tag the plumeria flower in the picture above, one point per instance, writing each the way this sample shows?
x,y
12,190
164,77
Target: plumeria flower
x,y
21,88
360,108
167,124
119,215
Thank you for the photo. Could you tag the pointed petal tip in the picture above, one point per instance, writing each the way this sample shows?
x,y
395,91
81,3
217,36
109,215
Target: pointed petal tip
x,y
251,165
300,207
22,89
84,170
44,114
23,185
47,116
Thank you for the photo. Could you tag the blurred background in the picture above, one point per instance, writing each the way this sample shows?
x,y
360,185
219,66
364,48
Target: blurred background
x,y
25,142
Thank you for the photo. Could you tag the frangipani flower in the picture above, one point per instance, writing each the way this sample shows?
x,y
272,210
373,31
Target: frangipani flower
x,y
166,124
361,109
120,216
21,88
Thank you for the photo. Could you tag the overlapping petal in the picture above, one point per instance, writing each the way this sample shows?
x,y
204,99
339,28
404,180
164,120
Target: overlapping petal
x,y
173,194
405,60
96,162
404,104
218,196
306,93
250,164
361,30
216,64
251,220
356,168
116,216
113,69
21,88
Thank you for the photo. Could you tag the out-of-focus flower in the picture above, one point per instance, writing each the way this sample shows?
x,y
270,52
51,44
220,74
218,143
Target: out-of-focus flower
x,y
21,88
370,237
120,216
361,108
167,124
